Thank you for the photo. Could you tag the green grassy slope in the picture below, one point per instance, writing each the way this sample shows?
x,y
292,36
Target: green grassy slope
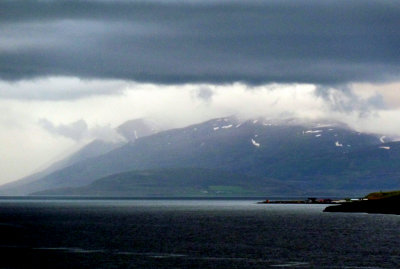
x,y
177,182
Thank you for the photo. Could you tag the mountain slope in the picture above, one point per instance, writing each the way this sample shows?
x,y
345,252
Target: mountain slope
x,y
130,131
178,182
93,149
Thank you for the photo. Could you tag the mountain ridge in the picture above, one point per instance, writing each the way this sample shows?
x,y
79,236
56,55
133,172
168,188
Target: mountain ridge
x,y
317,157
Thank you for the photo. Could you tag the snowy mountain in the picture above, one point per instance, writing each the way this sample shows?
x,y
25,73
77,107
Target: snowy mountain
x,y
311,158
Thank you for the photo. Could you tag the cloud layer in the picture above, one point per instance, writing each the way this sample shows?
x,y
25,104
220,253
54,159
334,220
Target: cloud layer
x,y
312,41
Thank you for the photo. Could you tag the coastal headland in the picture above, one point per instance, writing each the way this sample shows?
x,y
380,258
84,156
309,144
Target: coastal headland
x,y
378,203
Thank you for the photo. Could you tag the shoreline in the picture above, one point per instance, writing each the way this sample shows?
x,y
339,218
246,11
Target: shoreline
x,y
311,200
383,206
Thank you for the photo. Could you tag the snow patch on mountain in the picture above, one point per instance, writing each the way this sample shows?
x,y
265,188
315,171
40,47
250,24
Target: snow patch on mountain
x,y
255,143
324,125
313,131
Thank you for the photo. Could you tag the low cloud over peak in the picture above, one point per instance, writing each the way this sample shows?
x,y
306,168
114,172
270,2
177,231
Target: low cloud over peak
x,y
322,42
79,130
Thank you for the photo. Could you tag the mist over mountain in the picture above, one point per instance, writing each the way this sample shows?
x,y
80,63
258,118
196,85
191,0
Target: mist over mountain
x,y
130,131
134,129
299,157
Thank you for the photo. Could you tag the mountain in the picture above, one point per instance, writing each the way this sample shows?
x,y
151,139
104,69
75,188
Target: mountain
x,y
130,131
314,158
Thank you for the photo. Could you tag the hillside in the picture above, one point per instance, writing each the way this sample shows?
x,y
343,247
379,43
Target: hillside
x,y
183,182
382,195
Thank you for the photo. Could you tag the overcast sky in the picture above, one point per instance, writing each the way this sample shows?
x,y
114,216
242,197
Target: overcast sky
x,y
71,71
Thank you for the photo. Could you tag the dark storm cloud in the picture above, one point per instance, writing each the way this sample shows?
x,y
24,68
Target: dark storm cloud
x,y
323,42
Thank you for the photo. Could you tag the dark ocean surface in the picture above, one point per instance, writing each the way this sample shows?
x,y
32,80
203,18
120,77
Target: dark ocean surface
x,y
191,233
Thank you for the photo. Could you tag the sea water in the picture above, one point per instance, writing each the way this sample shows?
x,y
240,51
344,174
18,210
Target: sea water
x,y
191,233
